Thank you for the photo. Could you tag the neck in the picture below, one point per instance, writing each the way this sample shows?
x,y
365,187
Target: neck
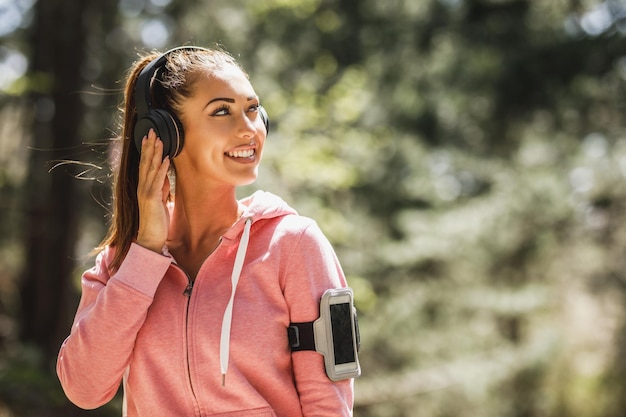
x,y
202,213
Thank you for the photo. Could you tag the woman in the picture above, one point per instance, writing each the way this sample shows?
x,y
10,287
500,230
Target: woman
x,y
192,291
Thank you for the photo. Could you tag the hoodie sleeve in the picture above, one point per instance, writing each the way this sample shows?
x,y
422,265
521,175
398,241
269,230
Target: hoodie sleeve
x,y
112,309
313,268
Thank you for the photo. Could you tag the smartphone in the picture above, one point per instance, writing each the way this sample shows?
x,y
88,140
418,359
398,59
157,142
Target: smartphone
x,y
336,334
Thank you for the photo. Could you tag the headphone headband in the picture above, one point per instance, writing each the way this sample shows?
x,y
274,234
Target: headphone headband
x,y
148,74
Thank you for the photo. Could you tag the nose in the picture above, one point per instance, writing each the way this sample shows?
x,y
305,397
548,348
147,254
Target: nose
x,y
247,126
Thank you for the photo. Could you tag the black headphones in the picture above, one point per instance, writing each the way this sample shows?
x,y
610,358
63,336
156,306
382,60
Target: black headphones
x,y
164,122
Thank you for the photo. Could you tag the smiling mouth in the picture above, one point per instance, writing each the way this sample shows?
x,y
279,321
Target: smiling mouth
x,y
248,153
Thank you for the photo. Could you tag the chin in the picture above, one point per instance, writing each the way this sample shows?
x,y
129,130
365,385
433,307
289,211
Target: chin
x,y
247,181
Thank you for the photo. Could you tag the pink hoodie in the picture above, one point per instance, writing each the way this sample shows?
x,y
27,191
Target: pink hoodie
x,y
170,342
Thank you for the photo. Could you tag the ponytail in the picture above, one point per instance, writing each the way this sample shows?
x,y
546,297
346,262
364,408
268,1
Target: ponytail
x,y
125,220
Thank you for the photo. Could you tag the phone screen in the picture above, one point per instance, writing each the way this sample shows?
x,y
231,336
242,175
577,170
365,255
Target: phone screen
x,y
341,323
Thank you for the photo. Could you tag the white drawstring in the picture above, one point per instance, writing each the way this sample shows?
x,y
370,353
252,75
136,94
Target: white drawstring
x,y
228,313
125,385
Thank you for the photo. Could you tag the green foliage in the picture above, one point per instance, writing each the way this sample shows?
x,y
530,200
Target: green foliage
x,y
28,388
467,160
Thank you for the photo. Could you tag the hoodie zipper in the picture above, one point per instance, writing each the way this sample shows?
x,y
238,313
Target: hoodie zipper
x,y
187,293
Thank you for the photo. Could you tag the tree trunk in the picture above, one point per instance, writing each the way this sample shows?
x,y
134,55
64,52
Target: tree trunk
x,y
51,206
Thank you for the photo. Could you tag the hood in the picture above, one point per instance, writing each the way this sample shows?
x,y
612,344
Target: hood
x,y
264,205
260,205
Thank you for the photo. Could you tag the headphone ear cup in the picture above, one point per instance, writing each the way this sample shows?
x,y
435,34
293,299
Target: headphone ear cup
x,y
166,126
265,118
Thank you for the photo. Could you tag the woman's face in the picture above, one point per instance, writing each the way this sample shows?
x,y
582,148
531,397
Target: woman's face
x,y
224,131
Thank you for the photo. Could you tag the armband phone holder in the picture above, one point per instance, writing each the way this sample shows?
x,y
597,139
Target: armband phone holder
x,y
335,334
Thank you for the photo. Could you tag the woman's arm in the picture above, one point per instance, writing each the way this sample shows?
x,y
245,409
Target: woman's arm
x,y
112,309
314,268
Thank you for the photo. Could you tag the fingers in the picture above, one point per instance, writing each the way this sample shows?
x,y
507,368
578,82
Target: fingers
x,y
152,192
151,148
152,169
151,152
165,191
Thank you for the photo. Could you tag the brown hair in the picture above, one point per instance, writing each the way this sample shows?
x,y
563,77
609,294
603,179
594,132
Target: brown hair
x,y
182,70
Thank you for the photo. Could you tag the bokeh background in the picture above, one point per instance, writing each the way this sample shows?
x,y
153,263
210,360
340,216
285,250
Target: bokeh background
x,y
467,159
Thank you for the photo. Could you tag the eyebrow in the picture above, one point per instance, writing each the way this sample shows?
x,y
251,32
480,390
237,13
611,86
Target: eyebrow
x,y
228,100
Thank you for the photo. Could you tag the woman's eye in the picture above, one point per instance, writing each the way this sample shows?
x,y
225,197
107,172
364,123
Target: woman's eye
x,y
222,111
254,107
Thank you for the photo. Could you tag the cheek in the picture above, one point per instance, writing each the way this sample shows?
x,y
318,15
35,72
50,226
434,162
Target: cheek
x,y
202,139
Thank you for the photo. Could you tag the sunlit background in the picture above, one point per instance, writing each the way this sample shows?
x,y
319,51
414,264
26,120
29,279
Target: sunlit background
x,y
467,159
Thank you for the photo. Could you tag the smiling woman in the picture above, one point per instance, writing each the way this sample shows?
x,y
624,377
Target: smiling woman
x,y
194,286
222,118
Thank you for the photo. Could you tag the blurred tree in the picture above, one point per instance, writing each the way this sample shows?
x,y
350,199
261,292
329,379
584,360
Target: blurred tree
x,y
466,158
52,206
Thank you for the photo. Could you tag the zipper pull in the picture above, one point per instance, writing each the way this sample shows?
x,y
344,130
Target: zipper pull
x,y
188,290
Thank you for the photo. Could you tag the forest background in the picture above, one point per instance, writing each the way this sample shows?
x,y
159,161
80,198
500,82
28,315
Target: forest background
x,y
467,159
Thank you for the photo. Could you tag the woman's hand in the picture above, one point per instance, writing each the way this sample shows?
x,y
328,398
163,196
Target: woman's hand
x,y
152,192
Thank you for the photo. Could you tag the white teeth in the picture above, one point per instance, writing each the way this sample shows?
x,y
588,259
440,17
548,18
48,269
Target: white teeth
x,y
241,154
